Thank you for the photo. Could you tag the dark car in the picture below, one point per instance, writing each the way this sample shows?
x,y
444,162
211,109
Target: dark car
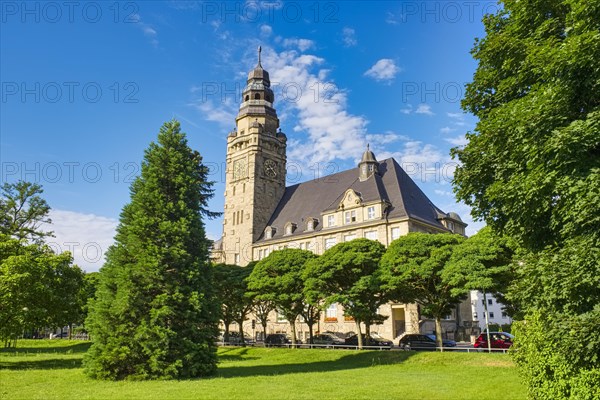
x,y
373,340
416,341
498,340
236,340
328,339
277,340
445,342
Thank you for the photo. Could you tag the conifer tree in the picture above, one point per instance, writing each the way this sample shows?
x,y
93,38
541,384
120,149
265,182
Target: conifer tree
x,y
155,314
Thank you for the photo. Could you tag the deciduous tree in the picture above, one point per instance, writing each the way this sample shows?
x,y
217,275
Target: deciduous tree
x,y
277,278
414,267
348,274
531,170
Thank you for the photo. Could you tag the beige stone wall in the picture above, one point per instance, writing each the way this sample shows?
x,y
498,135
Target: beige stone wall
x,y
250,194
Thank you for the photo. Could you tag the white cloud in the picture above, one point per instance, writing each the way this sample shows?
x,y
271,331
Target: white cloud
x,y
349,37
86,236
424,109
447,129
146,29
390,18
301,44
443,193
459,140
383,70
407,110
266,30
223,112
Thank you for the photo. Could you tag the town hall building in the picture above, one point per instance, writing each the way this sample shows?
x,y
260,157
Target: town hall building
x,y
376,200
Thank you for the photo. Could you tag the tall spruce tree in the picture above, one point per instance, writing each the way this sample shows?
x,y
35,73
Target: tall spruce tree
x,y
155,314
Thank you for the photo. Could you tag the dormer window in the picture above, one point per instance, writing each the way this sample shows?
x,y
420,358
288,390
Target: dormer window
x,y
290,228
269,232
310,225
331,220
350,216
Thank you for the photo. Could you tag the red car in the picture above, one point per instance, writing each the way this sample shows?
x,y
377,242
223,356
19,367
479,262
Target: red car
x,y
499,340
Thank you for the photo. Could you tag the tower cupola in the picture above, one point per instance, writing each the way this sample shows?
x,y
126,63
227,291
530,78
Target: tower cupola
x,y
368,165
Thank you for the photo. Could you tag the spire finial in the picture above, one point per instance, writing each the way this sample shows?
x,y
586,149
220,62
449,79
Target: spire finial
x,y
367,146
259,51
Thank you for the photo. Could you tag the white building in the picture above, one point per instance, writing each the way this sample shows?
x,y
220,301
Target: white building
x,y
497,315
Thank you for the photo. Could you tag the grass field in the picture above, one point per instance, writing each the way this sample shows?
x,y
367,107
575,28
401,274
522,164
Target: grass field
x,y
52,370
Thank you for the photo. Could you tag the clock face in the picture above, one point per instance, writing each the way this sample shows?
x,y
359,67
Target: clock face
x,y
239,169
270,168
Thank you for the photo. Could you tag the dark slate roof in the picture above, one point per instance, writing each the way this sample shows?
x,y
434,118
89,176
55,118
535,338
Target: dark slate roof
x,y
392,184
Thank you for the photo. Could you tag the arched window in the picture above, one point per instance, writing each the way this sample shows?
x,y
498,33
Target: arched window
x,y
257,96
247,98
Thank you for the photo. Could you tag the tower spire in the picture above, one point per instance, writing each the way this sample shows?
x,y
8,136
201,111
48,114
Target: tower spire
x,y
259,51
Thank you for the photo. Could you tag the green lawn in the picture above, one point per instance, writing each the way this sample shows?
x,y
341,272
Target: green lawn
x,y
52,370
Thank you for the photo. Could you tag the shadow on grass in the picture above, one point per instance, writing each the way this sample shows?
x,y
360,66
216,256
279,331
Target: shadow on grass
x,y
237,355
54,363
351,361
73,349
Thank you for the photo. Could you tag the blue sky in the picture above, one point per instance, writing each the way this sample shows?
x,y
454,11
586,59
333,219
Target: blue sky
x,y
87,85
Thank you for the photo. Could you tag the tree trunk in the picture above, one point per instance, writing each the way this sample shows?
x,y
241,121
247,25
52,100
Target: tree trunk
x,y
438,333
368,332
243,342
293,326
310,331
359,334
70,331
226,333
264,326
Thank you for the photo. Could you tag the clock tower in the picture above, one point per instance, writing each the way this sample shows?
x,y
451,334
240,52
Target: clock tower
x,y
256,167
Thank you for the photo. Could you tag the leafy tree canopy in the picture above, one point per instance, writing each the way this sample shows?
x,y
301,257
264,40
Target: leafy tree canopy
x,y
415,267
23,211
277,278
348,274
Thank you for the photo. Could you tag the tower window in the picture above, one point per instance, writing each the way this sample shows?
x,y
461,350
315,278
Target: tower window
x,y
257,96
247,98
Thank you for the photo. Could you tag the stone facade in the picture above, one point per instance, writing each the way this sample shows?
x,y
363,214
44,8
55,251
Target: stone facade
x,y
376,200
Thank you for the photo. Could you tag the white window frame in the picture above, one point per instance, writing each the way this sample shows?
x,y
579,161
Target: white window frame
x,y
330,242
350,216
373,234
371,212
331,311
395,233
331,220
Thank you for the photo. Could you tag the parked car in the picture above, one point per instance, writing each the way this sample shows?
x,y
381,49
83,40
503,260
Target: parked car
x,y
277,340
445,342
373,340
328,339
498,340
235,339
417,341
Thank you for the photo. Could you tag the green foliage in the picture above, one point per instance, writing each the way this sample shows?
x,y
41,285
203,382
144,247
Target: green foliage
x,y
348,274
417,267
155,315
277,278
38,288
23,211
482,262
231,287
532,170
